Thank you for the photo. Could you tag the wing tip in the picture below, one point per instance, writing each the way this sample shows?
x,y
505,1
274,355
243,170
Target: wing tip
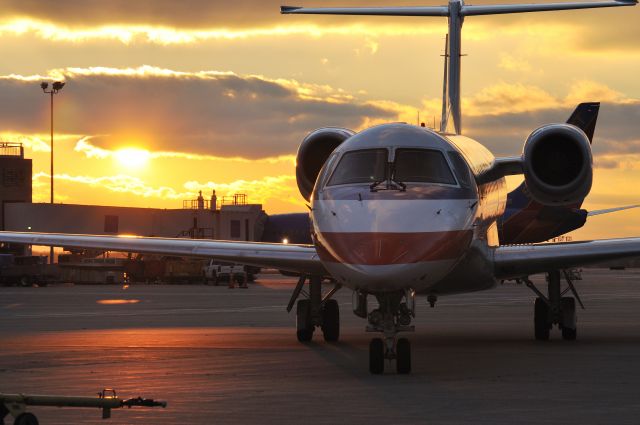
x,y
291,9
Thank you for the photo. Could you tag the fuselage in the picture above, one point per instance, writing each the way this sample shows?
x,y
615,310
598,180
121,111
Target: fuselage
x,y
397,207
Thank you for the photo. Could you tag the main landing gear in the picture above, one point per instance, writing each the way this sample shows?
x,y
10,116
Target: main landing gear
x,y
391,317
554,308
315,310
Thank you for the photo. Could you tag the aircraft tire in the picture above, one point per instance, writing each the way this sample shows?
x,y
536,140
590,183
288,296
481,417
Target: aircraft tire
x,y
3,412
331,321
403,356
26,419
304,327
376,356
569,322
541,320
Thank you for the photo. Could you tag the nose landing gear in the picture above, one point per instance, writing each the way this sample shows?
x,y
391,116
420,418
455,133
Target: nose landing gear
x,y
391,317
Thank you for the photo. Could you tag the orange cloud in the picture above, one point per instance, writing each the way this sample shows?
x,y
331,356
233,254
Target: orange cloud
x,y
85,146
267,190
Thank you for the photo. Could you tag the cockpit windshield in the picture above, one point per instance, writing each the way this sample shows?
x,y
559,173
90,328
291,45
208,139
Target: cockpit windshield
x,y
422,166
363,166
411,165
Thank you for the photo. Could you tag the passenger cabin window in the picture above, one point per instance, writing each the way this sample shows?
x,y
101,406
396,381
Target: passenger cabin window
x,y
365,166
422,166
461,169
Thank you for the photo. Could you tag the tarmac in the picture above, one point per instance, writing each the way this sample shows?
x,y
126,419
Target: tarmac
x,y
230,356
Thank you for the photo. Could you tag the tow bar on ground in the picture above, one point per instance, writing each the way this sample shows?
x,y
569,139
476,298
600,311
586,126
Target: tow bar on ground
x,y
16,404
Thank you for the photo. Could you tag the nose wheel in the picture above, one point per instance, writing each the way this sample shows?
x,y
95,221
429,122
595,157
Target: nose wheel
x,y
390,318
378,353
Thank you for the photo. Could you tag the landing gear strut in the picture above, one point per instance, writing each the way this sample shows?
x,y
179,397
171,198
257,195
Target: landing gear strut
x,y
554,308
392,316
316,310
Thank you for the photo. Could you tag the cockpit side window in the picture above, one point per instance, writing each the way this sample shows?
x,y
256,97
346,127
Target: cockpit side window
x,y
363,166
461,169
325,171
422,166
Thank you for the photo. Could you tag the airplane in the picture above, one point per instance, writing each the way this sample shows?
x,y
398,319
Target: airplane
x,y
399,210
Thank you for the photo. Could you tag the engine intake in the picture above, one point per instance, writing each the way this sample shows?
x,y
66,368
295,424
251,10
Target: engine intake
x,y
313,153
557,164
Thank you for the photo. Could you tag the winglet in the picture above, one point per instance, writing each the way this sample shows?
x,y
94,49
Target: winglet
x,y
289,9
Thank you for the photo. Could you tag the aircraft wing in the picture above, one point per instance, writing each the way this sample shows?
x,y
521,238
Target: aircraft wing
x,y
522,260
289,257
611,210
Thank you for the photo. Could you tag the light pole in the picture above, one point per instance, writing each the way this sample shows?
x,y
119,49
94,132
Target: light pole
x,y
55,88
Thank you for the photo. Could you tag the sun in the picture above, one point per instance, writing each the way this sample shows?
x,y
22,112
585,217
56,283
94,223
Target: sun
x,y
133,158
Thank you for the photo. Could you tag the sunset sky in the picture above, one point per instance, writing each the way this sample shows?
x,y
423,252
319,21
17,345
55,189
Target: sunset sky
x,y
165,98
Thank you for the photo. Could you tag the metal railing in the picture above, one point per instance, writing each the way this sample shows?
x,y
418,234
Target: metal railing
x,y
11,149
205,204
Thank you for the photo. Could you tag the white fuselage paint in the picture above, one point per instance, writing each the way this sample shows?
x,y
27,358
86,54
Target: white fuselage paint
x,y
406,216
391,241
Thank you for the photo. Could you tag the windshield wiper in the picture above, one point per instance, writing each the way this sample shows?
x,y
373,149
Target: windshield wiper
x,y
390,184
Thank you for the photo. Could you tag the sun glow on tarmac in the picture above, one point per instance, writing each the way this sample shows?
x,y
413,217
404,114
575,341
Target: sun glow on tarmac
x,y
117,302
132,158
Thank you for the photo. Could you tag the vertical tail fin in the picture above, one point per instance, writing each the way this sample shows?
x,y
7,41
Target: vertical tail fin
x,y
585,117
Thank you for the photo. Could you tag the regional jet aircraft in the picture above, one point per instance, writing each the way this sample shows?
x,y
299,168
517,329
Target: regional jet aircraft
x,y
399,211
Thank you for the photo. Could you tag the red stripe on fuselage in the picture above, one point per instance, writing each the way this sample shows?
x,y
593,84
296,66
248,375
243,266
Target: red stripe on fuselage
x,y
376,249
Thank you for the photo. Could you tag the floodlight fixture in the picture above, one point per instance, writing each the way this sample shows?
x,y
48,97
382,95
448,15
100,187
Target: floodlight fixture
x,y
57,86
44,85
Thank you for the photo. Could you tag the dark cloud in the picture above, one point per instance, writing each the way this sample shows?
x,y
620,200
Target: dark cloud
x,y
179,14
228,115
224,115
587,25
617,131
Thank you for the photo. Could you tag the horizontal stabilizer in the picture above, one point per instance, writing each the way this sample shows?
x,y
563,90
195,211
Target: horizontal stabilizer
x,y
611,210
370,11
498,9
444,10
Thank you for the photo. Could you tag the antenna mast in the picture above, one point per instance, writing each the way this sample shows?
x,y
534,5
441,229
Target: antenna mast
x,y
445,107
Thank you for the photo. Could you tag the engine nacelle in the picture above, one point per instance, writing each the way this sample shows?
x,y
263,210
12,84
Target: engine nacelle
x,y
313,153
557,164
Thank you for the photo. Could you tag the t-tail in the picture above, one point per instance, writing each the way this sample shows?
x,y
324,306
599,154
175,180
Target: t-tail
x,y
456,11
528,221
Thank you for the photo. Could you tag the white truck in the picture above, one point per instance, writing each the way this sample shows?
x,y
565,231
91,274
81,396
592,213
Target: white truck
x,y
218,271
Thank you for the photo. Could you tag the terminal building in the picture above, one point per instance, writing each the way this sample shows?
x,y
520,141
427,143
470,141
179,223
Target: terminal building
x,y
15,178
222,218
235,220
